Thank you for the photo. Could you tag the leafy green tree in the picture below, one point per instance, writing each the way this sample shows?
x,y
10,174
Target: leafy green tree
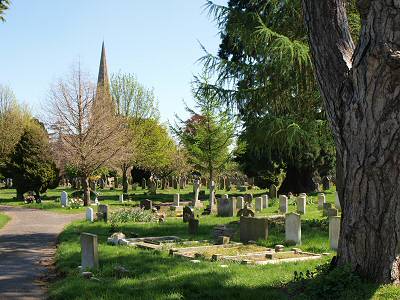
x,y
4,5
264,69
31,166
134,104
209,133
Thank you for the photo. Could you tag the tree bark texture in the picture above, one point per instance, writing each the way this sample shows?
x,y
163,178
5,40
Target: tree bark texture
x,y
86,191
361,87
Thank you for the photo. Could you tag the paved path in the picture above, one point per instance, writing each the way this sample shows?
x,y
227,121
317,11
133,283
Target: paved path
x,y
26,244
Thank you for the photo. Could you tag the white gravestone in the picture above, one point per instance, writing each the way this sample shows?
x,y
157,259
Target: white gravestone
x,y
89,214
293,228
321,201
240,202
176,199
283,204
259,203
64,199
337,202
301,204
334,231
121,198
212,196
265,203
89,248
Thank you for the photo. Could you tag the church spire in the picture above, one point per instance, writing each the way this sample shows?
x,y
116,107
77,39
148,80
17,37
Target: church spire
x,y
103,80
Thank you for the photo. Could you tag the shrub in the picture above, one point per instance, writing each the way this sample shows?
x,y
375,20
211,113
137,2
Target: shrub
x,y
75,203
135,214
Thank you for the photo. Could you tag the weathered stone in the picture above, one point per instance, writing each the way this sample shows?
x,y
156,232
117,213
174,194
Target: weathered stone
x,y
293,229
146,204
223,240
239,202
332,212
259,204
265,203
283,204
334,231
301,204
321,200
226,207
196,189
115,238
121,198
188,214
279,248
89,249
102,212
89,214
253,229
193,226
213,202
326,207
245,212
64,199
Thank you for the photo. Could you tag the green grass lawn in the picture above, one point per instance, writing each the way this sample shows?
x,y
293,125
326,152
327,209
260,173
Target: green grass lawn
x,y
3,220
155,275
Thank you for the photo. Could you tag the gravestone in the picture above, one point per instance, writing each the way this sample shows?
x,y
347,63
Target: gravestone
x,y
146,204
102,212
259,204
293,229
301,204
89,214
265,203
248,199
176,199
332,212
226,207
188,214
240,202
273,191
253,229
283,204
121,198
89,251
326,183
196,186
193,227
64,199
321,201
245,212
334,231
337,202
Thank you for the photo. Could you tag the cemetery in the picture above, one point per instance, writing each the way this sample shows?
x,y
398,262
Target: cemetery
x,y
212,149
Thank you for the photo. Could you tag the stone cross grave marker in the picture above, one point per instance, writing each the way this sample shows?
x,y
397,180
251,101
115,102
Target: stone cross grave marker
x,y
89,249
283,204
64,199
89,214
293,228
196,187
334,231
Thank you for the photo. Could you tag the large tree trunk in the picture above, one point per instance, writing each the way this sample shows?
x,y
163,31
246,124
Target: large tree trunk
x,y
298,181
361,92
86,191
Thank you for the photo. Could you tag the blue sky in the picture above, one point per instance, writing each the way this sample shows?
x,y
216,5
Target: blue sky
x,y
157,40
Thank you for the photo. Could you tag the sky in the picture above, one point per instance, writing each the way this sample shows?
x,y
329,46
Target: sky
x,y
157,40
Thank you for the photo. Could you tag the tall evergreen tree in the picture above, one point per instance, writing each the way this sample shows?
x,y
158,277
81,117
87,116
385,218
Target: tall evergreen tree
x,y
31,165
209,133
4,5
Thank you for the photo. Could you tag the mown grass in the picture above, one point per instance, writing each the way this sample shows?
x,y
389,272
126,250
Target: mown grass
x,y
4,220
155,275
